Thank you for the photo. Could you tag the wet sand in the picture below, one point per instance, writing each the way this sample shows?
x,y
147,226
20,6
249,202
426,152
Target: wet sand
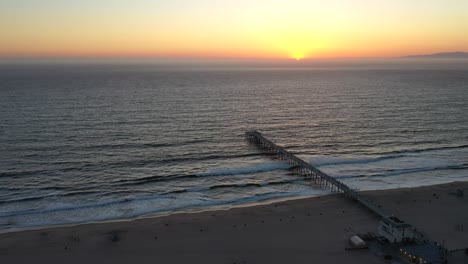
x,y
312,230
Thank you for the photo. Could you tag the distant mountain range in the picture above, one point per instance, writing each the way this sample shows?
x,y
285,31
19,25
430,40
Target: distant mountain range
x,y
443,55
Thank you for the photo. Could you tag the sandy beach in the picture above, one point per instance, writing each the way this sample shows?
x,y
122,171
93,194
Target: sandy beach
x,y
312,230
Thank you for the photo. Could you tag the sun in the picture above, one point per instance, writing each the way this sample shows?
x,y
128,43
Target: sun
x,y
298,55
298,49
297,45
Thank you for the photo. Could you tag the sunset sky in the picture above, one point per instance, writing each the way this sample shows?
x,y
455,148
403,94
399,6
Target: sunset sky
x,y
231,28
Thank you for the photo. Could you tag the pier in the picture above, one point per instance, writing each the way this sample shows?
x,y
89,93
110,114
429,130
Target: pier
x,y
310,172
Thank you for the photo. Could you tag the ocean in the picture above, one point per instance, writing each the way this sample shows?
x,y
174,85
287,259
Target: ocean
x,y
87,143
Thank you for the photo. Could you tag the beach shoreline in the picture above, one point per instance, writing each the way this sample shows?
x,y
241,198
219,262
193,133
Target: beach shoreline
x,y
311,229
195,210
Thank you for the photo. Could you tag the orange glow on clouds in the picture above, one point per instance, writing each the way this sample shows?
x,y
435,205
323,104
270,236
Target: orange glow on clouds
x,y
295,29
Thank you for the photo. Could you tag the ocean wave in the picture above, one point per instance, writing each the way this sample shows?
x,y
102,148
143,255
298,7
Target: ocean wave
x,y
251,184
167,195
233,185
367,149
323,162
73,207
424,149
192,204
208,157
332,162
88,166
126,200
261,167
118,146
15,174
36,198
397,172
155,178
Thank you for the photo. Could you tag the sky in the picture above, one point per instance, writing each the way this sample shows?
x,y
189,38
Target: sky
x,y
267,29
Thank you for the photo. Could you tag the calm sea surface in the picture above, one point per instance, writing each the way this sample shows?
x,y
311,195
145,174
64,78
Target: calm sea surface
x,y
94,143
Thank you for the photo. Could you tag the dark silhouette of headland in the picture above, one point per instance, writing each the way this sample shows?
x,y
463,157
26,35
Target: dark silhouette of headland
x,y
443,55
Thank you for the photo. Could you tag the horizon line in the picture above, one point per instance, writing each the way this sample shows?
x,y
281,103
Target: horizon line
x,y
209,58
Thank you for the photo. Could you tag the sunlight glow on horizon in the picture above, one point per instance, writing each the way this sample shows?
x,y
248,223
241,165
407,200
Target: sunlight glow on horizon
x,y
293,29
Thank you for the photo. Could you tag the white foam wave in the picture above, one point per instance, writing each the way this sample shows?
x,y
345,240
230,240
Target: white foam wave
x,y
256,168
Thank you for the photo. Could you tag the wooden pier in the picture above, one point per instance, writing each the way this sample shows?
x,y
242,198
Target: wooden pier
x,y
310,172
